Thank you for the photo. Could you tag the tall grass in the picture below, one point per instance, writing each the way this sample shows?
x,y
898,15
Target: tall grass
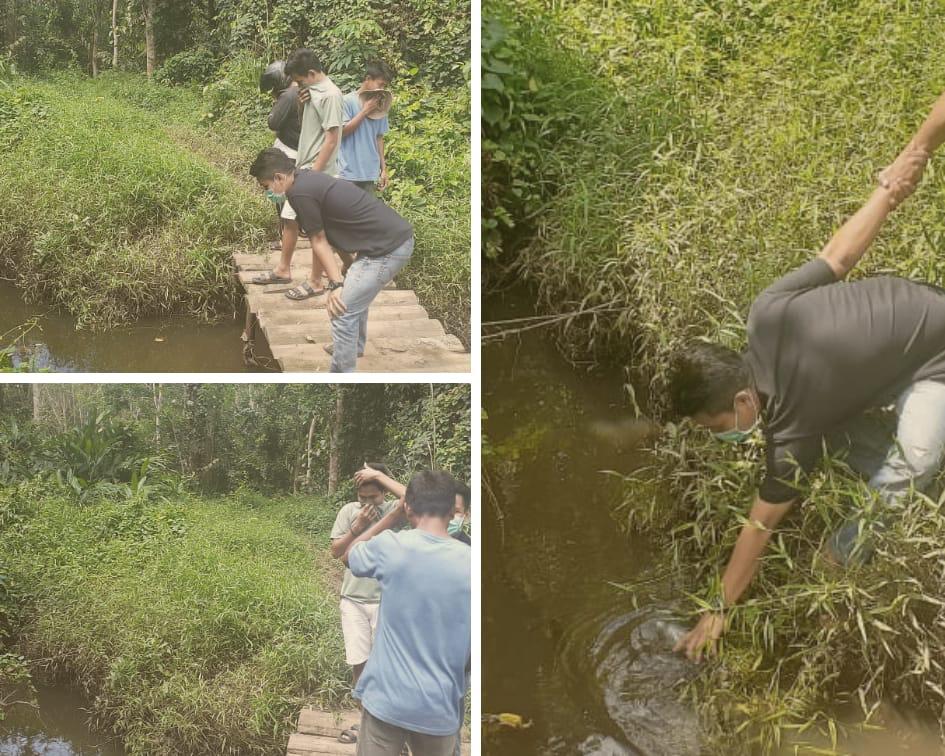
x,y
810,638
108,218
196,626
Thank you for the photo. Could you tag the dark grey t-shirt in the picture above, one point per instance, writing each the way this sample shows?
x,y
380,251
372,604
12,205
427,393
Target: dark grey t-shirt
x,y
285,118
353,220
822,351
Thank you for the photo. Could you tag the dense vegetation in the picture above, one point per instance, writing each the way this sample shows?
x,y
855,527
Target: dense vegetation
x,y
142,185
152,551
659,164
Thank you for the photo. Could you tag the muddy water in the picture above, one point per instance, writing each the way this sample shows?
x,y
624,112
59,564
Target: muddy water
x,y
588,667
58,727
556,633
158,345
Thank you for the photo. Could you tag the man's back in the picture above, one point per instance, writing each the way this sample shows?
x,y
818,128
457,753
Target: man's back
x,y
416,675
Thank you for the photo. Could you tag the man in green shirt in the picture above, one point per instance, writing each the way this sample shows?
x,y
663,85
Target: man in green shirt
x,y
360,597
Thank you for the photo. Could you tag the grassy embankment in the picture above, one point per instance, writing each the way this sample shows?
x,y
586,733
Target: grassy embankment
x,y
196,625
127,198
724,147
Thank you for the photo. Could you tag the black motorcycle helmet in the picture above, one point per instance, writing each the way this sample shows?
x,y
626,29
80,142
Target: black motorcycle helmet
x,y
273,79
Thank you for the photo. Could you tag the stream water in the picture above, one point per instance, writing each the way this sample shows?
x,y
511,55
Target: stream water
x,y
57,728
156,345
563,646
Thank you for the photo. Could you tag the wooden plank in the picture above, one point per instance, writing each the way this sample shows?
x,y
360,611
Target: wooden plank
x,y
383,355
261,303
303,745
320,332
389,312
327,723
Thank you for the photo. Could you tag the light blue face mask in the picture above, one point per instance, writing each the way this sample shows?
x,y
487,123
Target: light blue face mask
x,y
273,197
456,524
737,436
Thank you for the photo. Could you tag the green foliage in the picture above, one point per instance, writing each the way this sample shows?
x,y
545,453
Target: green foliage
x,y
20,111
148,228
757,139
433,432
808,637
198,625
197,66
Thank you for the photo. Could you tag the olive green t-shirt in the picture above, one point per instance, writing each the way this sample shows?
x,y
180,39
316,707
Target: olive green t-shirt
x,y
323,111
362,590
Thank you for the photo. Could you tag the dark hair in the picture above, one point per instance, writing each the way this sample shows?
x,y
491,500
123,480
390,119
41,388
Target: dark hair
x,y
462,490
301,62
705,378
378,69
269,162
274,79
432,492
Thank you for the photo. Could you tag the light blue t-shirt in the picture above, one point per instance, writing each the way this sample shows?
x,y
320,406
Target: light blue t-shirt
x,y
358,159
416,676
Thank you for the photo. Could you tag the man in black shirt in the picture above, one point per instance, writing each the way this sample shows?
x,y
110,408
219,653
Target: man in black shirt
x,y
335,213
821,352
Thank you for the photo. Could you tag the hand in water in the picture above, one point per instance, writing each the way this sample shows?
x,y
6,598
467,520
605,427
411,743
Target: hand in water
x,y
702,637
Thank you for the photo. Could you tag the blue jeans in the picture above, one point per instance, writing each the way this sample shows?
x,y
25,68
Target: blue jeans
x,y
364,281
893,459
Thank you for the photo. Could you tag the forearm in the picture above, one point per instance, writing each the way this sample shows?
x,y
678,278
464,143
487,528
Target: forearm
x,y
339,546
326,257
850,243
328,149
351,126
931,133
745,561
398,489
388,521
380,151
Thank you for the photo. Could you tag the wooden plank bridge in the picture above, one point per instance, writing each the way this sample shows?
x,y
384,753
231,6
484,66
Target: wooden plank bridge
x,y
318,731
402,337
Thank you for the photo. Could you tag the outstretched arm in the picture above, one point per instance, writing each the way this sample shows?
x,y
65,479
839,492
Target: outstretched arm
x,y
369,474
742,567
391,520
910,164
850,243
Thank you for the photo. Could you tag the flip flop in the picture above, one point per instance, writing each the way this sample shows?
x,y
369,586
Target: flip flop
x,y
304,291
348,736
270,277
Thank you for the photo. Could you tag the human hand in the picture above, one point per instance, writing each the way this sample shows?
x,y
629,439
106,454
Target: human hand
x,y
336,308
365,475
304,95
382,181
702,637
370,105
366,517
902,177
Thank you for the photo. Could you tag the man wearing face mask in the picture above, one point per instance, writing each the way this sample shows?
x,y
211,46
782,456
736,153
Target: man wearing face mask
x,y
820,353
413,685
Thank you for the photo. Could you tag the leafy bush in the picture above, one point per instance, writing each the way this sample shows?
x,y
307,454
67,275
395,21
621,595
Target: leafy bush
x,y
149,226
197,626
196,66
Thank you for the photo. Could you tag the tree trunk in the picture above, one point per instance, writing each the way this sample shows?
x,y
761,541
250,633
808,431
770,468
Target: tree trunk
x,y
149,35
334,452
114,33
36,402
94,50
308,454
158,401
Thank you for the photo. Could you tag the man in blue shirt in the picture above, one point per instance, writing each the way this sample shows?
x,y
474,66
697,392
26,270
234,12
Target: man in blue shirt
x,y
361,159
412,687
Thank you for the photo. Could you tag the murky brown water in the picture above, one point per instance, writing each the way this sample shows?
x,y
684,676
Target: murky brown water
x,y
563,647
155,345
57,728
